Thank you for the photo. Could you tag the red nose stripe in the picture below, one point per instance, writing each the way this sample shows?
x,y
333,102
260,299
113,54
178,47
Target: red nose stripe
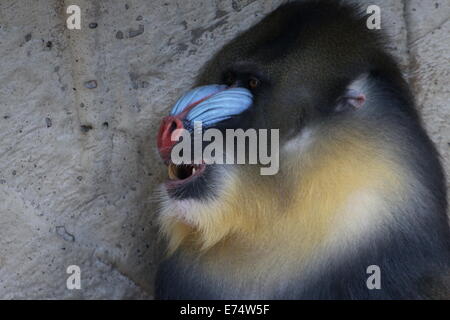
x,y
164,141
170,124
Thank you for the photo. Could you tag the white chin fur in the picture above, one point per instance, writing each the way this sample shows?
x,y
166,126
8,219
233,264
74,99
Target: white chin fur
x,y
182,210
190,211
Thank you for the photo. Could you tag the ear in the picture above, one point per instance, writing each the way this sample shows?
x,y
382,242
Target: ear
x,y
354,96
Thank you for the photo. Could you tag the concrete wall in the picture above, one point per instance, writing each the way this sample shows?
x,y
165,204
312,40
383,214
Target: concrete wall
x,y
79,110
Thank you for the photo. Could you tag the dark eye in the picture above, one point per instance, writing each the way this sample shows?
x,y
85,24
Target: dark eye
x,y
230,78
253,83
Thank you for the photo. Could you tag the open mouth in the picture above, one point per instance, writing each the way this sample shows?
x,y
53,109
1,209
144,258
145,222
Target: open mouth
x,y
184,173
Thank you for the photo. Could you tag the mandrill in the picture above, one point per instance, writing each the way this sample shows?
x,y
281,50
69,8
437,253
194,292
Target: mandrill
x,y
359,187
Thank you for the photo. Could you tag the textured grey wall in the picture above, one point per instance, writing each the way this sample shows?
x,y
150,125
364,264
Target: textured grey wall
x,y
79,110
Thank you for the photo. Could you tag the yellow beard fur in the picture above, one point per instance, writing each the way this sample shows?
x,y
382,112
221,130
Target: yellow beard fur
x,y
331,192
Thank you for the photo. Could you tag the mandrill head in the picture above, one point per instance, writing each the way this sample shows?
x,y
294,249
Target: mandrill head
x,y
336,114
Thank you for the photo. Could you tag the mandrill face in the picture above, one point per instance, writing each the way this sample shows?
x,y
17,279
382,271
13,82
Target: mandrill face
x,y
288,73
359,181
213,106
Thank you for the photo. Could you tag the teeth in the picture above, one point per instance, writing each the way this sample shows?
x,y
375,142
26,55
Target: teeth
x,y
181,172
171,171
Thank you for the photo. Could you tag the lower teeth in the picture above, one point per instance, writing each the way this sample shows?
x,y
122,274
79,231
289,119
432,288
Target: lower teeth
x,y
181,172
171,172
